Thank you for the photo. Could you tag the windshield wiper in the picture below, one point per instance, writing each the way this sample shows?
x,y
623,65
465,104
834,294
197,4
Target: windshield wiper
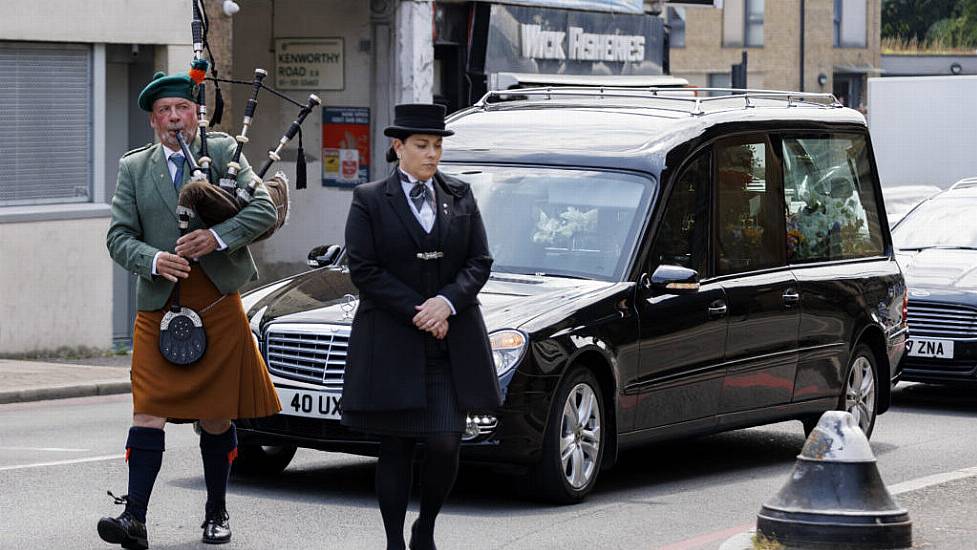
x,y
502,275
558,275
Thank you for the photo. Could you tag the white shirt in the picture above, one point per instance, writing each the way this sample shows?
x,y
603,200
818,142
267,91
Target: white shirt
x,y
425,216
167,152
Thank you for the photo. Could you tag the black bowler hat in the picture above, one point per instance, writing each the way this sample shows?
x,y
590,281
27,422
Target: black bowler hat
x,y
417,118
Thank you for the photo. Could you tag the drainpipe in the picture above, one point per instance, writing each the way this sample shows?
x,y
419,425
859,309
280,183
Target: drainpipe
x,y
802,46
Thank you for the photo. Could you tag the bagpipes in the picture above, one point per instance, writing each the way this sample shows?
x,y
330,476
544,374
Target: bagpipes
x,y
217,202
182,338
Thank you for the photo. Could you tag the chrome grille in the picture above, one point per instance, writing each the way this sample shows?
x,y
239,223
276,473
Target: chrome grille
x,y
941,320
313,353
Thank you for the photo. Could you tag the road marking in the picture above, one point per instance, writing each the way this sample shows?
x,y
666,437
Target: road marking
x,y
896,489
929,481
62,462
699,541
45,449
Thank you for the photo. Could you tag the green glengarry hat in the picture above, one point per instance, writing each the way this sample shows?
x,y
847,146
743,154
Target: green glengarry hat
x,y
163,85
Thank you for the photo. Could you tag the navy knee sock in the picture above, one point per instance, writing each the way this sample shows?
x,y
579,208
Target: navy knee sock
x,y
218,452
144,453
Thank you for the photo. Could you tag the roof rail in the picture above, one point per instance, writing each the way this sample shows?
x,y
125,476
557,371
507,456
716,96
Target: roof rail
x,y
965,183
680,96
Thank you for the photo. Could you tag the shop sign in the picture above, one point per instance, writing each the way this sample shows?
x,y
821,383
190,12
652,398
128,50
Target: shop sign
x,y
549,41
309,64
345,146
580,45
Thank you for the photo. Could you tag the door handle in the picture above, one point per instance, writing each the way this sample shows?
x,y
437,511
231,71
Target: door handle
x,y
791,297
717,309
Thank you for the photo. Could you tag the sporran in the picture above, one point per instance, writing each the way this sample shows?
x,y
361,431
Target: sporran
x,y
182,338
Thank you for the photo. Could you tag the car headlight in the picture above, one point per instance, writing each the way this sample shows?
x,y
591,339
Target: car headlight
x,y
508,347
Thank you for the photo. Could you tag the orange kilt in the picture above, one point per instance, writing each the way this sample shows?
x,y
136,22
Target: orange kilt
x,y
229,381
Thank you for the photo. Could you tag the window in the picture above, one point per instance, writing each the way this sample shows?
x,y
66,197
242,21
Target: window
x,y
45,123
850,24
581,223
832,213
945,222
720,80
743,23
750,204
676,27
754,23
683,236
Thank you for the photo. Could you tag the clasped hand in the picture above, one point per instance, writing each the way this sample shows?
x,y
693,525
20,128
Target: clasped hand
x,y
432,316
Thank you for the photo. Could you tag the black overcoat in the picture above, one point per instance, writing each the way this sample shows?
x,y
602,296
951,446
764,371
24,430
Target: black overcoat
x,y
385,361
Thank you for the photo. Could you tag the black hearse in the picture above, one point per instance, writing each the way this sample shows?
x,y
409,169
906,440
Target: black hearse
x,y
665,266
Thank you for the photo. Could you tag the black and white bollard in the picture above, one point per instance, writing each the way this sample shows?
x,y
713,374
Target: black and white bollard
x,y
835,497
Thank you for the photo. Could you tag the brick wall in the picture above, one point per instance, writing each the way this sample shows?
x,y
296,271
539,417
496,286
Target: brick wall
x,y
776,65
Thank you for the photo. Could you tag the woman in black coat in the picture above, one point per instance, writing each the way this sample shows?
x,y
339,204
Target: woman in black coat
x,y
419,355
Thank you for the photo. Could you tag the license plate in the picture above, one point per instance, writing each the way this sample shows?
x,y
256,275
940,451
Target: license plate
x,y
312,404
939,349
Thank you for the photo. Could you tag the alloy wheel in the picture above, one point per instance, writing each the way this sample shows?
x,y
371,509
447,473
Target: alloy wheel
x,y
580,436
860,393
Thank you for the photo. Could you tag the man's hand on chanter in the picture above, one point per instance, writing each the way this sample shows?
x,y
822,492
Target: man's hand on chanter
x,y
196,244
170,266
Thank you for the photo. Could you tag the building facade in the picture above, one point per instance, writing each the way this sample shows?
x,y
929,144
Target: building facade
x,y
928,64
68,78
806,45
70,73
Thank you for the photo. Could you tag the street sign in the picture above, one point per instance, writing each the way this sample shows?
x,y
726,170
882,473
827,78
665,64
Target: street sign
x,y
309,64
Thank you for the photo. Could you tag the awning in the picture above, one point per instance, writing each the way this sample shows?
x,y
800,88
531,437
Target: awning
x,y
858,68
506,81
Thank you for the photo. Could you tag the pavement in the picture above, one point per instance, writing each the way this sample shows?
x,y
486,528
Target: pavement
x,y
944,515
943,508
22,381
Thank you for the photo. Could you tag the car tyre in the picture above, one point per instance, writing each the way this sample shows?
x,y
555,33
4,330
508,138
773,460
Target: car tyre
x,y
574,442
262,460
860,395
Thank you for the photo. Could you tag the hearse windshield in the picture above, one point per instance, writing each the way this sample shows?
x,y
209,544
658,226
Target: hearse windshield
x,y
559,222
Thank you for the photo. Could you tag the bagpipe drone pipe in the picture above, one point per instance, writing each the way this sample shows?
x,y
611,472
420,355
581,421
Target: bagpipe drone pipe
x,y
215,202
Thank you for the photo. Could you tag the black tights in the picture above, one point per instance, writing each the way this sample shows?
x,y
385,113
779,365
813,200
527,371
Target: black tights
x,y
393,484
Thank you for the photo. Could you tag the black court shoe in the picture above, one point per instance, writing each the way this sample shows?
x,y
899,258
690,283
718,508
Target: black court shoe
x,y
125,529
217,527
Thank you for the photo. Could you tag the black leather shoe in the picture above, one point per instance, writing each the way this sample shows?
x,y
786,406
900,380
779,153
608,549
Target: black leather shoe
x,y
217,528
125,530
420,543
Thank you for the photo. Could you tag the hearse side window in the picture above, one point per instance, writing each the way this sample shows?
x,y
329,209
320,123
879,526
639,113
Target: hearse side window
x,y
832,213
683,236
750,204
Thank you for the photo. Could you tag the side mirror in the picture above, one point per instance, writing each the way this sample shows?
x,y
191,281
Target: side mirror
x,y
324,255
671,279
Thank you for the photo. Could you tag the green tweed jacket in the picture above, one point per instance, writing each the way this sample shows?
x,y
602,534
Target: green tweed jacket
x,y
144,222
